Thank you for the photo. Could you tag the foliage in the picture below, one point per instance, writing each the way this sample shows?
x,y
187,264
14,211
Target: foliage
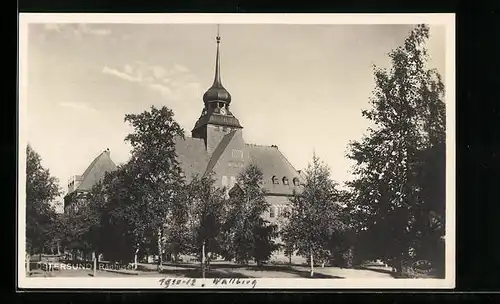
x,y
315,220
127,212
117,200
41,190
206,213
156,171
250,236
391,195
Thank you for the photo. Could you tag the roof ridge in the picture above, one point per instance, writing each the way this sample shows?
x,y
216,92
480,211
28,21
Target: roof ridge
x,y
257,145
92,164
286,159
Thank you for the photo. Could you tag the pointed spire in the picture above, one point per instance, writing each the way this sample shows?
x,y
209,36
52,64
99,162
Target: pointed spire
x,y
217,92
217,78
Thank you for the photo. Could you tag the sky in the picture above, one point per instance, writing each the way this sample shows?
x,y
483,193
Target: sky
x,y
300,87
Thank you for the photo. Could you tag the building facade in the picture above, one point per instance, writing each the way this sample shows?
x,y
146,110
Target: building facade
x,y
216,145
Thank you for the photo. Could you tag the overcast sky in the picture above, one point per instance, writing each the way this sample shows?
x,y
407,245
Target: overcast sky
x,y
300,87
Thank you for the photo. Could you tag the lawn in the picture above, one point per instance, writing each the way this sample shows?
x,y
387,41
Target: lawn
x,y
221,270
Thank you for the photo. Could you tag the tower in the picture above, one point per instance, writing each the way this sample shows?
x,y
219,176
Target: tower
x,y
216,119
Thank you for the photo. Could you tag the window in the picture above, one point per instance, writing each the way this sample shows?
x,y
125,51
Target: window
x,y
285,180
272,212
275,180
295,181
237,153
224,181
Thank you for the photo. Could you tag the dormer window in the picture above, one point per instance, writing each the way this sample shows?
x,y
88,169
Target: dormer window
x,y
295,181
275,180
285,180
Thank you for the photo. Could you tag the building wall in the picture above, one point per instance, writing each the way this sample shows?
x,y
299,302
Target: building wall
x,y
231,162
214,136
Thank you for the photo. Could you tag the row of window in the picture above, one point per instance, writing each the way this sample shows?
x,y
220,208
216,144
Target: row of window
x,y
284,180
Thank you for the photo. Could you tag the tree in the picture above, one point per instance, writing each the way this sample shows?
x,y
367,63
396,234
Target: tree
x,y
207,205
315,217
408,113
178,236
155,167
41,190
251,236
117,200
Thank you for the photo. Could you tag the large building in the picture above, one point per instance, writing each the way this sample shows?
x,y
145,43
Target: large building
x,y
217,145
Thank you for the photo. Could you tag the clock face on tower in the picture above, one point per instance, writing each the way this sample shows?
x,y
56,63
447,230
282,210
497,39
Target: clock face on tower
x,y
223,111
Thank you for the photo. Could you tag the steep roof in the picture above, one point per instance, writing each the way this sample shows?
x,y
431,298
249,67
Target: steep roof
x,y
273,163
95,172
192,155
194,159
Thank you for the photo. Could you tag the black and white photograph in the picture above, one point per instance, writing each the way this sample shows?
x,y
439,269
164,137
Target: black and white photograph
x,y
232,151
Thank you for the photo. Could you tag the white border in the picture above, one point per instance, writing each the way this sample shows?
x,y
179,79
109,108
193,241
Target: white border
x,y
447,20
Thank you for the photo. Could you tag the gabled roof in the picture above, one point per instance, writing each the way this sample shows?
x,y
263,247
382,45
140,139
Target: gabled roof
x,y
194,159
96,171
273,163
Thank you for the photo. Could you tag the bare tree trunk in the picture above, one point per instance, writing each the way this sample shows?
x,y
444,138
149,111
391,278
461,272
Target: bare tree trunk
x,y
135,256
95,264
28,258
203,260
290,259
312,264
160,258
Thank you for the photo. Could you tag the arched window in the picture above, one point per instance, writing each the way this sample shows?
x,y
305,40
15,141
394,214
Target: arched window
x,y
295,181
275,180
285,180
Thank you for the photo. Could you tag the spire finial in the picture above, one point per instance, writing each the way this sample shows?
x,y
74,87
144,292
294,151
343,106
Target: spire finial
x,y
217,92
217,80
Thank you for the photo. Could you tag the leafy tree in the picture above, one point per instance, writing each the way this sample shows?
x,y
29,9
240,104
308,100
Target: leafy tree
x,y
315,218
41,190
206,211
389,193
178,236
251,236
121,230
157,172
